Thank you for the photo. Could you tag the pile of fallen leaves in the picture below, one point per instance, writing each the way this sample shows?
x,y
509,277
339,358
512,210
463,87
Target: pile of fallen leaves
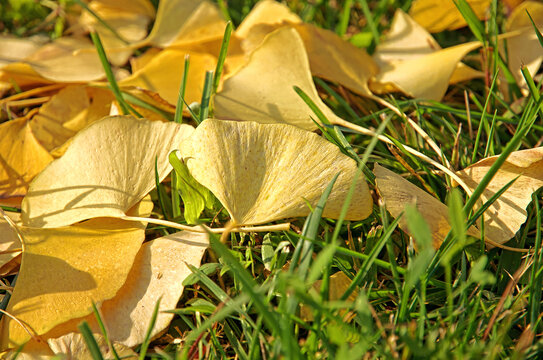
x,y
77,163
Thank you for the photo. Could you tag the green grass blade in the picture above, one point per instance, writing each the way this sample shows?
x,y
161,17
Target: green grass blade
x,y
147,339
160,192
345,16
104,331
222,56
92,345
182,87
206,95
101,21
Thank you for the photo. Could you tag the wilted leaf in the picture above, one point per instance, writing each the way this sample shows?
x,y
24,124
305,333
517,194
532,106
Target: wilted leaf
x,y
22,157
108,167
271,98
266,172
69,111
398,192
64,270
164,72
10,244
73,346
525,49
439,15
14,49
128,18
506,215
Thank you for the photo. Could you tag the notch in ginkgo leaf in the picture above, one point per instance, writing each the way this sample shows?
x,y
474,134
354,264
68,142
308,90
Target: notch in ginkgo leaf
x,y
108,167
267,172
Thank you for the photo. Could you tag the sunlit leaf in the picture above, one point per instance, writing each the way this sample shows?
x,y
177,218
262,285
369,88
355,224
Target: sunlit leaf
x,y
439,15
506,215
272,98
73,346
69,111
266,172
108,167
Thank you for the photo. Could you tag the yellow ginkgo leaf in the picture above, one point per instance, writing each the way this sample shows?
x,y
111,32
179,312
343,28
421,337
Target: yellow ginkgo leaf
x,y
506,215
524,49
425,77
69,111
330,57
10,244
64,270
67,60
185,21
272,98
22,157
74,346
14,49
158,272
439,15
266,172
398,192
164,72
407,40
129,19
108,167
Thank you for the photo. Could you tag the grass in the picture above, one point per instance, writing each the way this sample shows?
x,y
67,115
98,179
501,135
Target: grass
x,y
251,297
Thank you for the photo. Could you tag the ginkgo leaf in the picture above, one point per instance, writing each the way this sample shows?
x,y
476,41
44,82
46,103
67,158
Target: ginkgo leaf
x,y
164,72
67,60
73,346
64,270
524,49
69,111
14,49
398,192
425,77
272,98
330,57
407,40
439,15
22,157
108,167
158,272
506,215
185,21
265,172
129,19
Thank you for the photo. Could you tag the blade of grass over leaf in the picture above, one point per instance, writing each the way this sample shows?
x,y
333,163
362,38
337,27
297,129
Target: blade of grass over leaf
x,y
104,331
181,98
125,108
206,95
222,56
94,349
147,340
101,21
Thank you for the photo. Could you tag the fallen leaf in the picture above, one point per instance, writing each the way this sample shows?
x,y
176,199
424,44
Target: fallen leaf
x,y
10,244
129,19
272,98
158,272
249,168
506,215
72,346
398,192
407,40
69,111
330,57
22,157
108,167
185,21
63,270
163,75
524,49
425,77
439,15
14,49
